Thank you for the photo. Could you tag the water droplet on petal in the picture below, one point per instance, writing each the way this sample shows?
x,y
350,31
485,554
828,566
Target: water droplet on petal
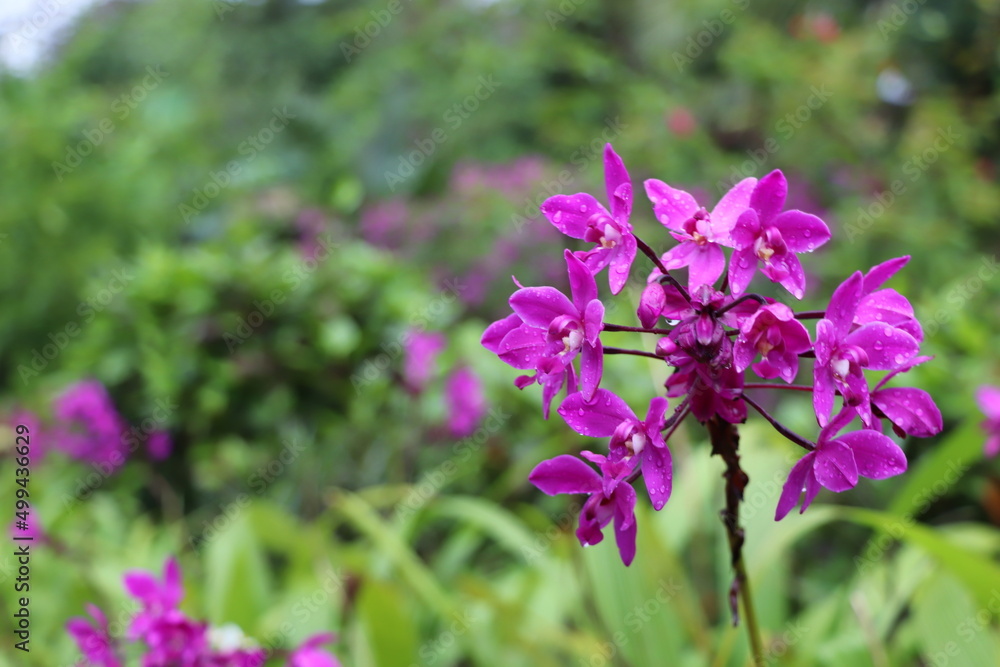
x,y
583,208
879,345
581,412
807,233
900,358
557,217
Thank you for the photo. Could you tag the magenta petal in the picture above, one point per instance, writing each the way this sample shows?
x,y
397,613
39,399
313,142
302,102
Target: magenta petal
x,y
621,263
679,256
597,418
835,466
913,410
742,267
651,304
173,588
877,456
792,489
538,306
615,176
591,368
552,385
707,264
654,416
565,474
795,279
743,354
522,347
802,232
495,332
768,197
658,471
988,398
843,304
746,230
887,347
824,391
570,213
582,285
672,207
880,273
625,539
861,402
730,207
593,321
142,585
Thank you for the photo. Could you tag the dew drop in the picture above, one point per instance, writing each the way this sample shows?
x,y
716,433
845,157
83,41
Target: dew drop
x,y
581,412
807,233
900,358
583,208
879,345
557,217
920,413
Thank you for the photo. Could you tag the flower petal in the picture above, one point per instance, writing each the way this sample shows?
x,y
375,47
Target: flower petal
x,y
792,489
878,274
538,306
621,262
570,213
742,267
729,209
887,347
597,418
876,455
802,232
707,264
495,332
844,303
671,206
565,474
522,347
651,304
582,285
625,527
658,472
746,230
988,398
615,176
768,197
835,466
912,410
593,321
591,368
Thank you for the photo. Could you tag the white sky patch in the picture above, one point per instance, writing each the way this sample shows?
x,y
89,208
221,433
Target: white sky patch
x,y
28,29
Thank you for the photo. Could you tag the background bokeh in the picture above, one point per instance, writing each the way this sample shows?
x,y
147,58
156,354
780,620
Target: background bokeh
x,y
235,215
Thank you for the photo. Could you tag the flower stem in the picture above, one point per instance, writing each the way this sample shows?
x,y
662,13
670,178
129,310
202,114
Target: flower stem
x,y
648,252
746,297
775,385
725,443
637,353
778,426
810,315
622,327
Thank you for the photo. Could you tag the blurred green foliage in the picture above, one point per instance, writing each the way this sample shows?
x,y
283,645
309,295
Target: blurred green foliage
x,y
169,174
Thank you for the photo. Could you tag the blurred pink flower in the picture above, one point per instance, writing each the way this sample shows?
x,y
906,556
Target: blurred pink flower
x,y
420,351
466,402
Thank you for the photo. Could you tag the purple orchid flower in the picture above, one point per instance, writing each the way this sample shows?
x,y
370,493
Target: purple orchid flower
x,y
774,332
611,496
94,641
836,463
609,416
911,411
988,398
841,353
89,427
157,598
308,654
701,234
555,329
764,234
887,305
581,216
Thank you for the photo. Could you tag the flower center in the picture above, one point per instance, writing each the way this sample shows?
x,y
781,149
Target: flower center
x,y
697,226
602,230
768,244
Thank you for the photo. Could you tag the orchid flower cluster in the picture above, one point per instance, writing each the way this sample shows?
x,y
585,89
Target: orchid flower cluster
x,y
715,336
172,639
